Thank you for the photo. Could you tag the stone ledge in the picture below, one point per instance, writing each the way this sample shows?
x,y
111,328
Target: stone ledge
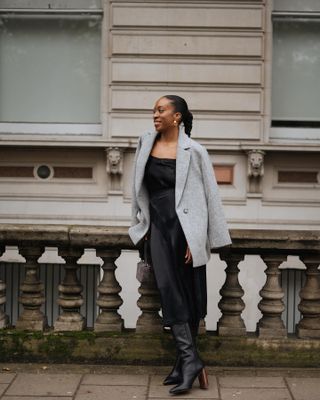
x,y
154,349
244,241
122,369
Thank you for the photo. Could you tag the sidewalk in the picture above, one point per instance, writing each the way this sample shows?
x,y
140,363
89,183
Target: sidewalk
x,y
81,382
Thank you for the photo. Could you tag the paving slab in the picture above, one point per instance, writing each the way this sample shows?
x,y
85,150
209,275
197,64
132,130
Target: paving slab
x,y
44,385
224,371
304,388
93,382
252,382
255,394
90,392
6,378
156,380
3,387
115,379
157,390
35,398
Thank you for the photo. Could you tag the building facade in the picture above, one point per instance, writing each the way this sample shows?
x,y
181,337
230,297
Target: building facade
x,y
79,78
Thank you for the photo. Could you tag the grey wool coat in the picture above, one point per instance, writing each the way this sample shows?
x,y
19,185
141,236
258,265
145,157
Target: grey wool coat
x,y
197,200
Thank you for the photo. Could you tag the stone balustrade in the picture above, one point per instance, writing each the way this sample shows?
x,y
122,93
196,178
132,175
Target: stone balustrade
x,y
272,246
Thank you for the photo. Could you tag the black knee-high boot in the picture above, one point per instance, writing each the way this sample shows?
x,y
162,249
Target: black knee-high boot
x,y
203,376
191,365
175,376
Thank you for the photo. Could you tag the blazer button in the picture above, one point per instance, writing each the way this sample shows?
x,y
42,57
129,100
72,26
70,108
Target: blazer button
x,y
185,210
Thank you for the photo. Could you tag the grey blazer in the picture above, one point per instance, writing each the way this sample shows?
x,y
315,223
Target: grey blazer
x,y
197,199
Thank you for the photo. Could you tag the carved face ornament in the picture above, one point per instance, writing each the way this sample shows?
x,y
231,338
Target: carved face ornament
x,y
114,157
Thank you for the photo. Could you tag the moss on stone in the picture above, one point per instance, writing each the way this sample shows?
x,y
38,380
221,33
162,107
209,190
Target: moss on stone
x,y
129,347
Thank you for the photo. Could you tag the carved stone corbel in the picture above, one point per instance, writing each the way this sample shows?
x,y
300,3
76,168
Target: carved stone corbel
x,y
114,167
255,170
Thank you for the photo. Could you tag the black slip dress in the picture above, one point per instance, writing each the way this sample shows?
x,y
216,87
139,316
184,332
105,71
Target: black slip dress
x,y
183,289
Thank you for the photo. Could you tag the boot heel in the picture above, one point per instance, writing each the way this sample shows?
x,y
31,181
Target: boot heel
x,y
203,379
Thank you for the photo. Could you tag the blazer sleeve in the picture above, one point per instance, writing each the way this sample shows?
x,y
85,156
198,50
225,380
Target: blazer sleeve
x,y
134,203
218,232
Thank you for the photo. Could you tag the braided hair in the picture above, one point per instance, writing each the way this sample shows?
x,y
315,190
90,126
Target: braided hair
x,y
181,106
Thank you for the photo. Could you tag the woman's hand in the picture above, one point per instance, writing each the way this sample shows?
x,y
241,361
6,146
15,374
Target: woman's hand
x,y
188,256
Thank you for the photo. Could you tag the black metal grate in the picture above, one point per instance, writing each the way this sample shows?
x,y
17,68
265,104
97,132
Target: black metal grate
x,y
292,280
51,275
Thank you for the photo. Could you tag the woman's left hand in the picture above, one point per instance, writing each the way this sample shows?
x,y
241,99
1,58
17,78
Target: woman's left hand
x,y
188,256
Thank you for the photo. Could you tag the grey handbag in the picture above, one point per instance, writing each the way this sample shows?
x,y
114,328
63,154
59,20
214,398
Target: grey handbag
x,y
144,268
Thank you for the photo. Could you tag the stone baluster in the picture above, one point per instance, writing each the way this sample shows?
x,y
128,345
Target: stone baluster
x,y
231,303
70,293
109,300
309,325
271,305
149,303
31,292
3,316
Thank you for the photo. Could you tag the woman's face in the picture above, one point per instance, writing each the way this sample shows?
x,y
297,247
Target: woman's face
x,y
164,115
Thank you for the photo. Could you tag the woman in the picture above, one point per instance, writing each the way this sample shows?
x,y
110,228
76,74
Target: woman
x,y
176,204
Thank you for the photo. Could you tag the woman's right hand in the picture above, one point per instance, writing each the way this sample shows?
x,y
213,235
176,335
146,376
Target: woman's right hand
x,y
188,256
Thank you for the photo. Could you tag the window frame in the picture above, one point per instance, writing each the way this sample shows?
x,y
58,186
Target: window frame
x,y
16,131
282,133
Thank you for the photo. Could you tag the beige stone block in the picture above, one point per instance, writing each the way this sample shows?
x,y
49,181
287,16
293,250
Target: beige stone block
x,y
25,325
69,326
55,188
204,127
186,71
271,333
295,191
146,43
200,100
187,15
232,332
308,333
101,327
226,127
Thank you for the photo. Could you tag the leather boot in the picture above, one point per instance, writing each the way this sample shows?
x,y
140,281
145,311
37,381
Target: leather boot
x,y
203,376
191,365
175,376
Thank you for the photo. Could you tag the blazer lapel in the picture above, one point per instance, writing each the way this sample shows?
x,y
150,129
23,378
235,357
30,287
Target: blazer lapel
x,y
182,163
142,159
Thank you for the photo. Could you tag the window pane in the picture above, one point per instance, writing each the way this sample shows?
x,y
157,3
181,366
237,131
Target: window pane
x,y
52,4
50,70
296,5
296,70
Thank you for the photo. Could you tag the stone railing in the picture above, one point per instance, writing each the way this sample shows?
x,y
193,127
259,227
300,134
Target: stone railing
x,y
272,246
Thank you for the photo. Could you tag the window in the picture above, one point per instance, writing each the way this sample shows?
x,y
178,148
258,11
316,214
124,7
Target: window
x,y
295,70
50,66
